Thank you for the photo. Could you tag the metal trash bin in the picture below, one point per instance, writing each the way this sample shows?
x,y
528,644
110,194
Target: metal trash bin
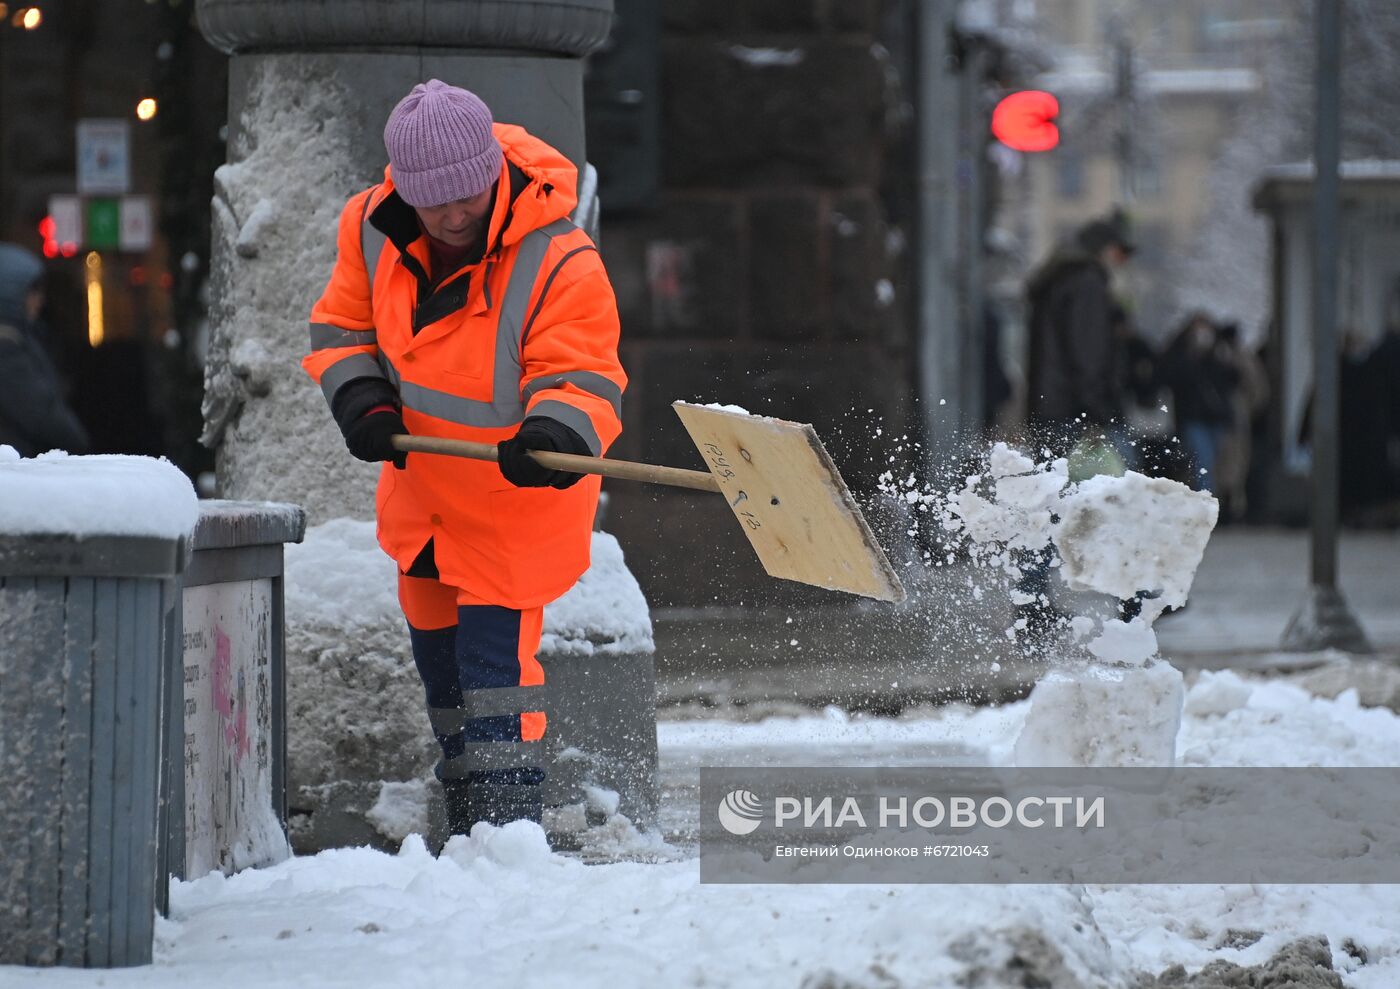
x,y
228,772
86,665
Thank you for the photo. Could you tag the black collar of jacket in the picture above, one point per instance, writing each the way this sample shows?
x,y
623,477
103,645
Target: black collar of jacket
x,y
397,221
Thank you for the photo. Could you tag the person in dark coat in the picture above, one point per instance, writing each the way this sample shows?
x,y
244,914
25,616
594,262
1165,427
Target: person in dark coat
x,y
1075,379
1203,378
1075,367
34,417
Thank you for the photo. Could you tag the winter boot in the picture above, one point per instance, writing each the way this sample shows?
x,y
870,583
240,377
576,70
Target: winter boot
x,y
495,803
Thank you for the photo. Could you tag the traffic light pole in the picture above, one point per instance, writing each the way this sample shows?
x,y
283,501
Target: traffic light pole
x,y
1324,621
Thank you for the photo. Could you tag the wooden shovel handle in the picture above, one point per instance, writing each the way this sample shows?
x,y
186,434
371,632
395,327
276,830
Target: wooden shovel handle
x,y
624,470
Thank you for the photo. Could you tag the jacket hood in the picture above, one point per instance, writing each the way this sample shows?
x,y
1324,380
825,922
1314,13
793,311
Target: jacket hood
x,y
19,270
552,192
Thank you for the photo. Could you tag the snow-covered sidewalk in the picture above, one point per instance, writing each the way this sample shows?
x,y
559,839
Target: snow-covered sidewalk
x,y
501,910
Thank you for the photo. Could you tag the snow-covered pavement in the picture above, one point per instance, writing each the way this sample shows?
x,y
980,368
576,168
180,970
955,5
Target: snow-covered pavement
x,y
500,909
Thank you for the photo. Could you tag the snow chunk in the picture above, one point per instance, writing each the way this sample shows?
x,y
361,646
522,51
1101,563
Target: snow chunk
x,y
400,810
1103,716
601,799
517,845
1005,462
1132,643
736,409
1122,535
1029,492
257,228
1217,693
59,494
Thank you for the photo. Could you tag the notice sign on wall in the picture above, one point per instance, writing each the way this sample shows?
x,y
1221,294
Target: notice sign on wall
x,y
136,224
104,156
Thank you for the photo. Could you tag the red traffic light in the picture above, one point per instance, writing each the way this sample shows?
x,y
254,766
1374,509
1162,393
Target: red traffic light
x,y
1025,121
48,230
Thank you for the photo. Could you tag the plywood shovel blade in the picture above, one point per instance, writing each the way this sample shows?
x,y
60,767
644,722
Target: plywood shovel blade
x,y
791,501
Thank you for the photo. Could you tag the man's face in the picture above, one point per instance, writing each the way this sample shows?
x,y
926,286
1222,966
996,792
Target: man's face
x,y
460,223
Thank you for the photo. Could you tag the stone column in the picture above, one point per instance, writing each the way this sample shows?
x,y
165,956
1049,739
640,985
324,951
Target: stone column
x,y
310,85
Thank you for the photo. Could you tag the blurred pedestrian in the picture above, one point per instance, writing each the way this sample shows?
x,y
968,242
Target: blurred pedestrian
x,y
34,416
1246,402
1074,379
1076,358
1384,373
1202,379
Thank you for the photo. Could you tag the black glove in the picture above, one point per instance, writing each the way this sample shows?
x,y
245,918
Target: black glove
x,y
539,433
368,437
366,410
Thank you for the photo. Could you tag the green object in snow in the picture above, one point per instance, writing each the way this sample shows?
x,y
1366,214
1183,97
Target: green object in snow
x,y
1092,457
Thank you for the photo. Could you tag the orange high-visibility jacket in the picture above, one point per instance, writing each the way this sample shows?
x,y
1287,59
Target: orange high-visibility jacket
x,y
529,330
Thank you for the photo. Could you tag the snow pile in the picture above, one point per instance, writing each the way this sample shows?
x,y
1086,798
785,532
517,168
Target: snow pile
x,y
58,494
604,612
339,577
360,751
362,917
1103,716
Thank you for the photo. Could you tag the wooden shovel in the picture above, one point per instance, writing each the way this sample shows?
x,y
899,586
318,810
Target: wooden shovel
x,y
777,478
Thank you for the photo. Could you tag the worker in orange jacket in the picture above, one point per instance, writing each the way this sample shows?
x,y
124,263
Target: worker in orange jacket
x,y
465,304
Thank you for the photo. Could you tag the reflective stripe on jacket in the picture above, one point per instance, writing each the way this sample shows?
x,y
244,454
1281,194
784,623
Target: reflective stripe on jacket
x,y
530,329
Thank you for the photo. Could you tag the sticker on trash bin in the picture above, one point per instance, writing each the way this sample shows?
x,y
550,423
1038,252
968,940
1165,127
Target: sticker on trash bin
x,y
229,820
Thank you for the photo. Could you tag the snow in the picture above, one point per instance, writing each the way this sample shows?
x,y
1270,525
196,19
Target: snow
x,y
1105,701
1217,693
339,577
736,409
259,225
1122,535
1103,716
1131,642
359,917
58,494
401,809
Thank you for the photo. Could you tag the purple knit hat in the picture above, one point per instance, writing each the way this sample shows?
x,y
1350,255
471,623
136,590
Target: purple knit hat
x,y
440,145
